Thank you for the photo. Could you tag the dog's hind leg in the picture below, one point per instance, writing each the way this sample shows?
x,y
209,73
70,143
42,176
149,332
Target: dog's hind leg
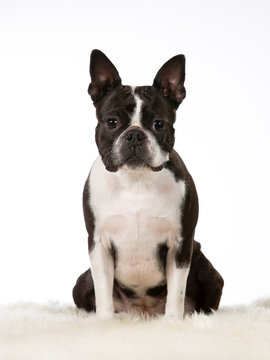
x,y
204,283
84,293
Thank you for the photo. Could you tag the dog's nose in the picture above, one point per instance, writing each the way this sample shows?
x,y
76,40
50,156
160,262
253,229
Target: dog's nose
x,y
135,136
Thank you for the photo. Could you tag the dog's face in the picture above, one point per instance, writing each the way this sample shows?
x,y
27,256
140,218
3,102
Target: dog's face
x,y
135,124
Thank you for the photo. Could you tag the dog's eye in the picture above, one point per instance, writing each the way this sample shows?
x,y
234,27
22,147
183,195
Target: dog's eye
x,y
159,124
111,123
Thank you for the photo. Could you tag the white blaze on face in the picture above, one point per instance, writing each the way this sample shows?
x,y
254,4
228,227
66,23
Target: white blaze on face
x,y
157,155
136,116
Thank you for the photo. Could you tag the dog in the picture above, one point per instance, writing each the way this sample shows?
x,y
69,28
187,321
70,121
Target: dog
x,y
140,203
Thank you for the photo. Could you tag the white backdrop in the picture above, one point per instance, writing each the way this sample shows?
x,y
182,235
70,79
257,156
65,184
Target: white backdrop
x,y
47,130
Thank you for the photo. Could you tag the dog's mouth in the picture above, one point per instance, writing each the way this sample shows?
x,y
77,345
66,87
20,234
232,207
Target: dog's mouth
x,y
135,162
132,160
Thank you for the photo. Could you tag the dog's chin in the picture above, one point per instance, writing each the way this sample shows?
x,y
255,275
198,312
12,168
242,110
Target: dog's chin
x,y
137,164
133,164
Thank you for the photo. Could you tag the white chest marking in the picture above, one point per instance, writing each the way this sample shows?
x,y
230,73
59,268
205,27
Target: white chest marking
x,y
136,210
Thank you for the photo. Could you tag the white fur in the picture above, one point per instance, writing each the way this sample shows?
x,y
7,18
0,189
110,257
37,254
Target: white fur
x,y
176,286
56,331
103,276
136,210
136,116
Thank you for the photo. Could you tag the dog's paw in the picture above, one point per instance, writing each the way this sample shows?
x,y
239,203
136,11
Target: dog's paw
x,y
171,314
104,315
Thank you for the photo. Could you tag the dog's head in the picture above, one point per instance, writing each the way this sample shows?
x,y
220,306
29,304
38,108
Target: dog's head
x,y
135,124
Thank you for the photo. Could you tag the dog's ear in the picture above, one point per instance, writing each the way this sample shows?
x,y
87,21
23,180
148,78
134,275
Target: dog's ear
x,y
170,80
104,76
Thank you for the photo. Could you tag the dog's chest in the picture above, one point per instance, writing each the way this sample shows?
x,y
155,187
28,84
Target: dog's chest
x,y
135,212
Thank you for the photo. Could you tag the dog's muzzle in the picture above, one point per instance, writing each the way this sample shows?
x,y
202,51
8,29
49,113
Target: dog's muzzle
x,y
133,150
136,148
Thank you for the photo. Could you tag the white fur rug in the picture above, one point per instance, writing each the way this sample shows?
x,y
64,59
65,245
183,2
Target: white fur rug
x,y
53,331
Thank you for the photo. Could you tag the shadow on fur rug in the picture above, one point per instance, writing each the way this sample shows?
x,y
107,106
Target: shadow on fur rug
x,y
53,331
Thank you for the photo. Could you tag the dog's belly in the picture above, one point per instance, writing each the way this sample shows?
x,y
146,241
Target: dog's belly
x,y
138,271
135,239
137,266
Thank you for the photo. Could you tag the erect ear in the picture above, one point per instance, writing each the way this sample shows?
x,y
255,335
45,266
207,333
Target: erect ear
x,y
104,76
170,79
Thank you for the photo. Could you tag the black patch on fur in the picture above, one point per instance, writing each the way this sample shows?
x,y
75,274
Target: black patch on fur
x,y
162,251
176,166
114,254
204,283
88,216
118,289
84,292
189,209
129,293
157,291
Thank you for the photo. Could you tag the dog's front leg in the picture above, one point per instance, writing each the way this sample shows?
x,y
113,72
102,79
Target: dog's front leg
x,y
102,267
176,284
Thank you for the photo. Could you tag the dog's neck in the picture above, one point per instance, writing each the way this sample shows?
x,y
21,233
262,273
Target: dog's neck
x,y
130,179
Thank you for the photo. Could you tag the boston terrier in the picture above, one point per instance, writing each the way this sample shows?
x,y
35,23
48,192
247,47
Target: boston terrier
x,y
140,203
